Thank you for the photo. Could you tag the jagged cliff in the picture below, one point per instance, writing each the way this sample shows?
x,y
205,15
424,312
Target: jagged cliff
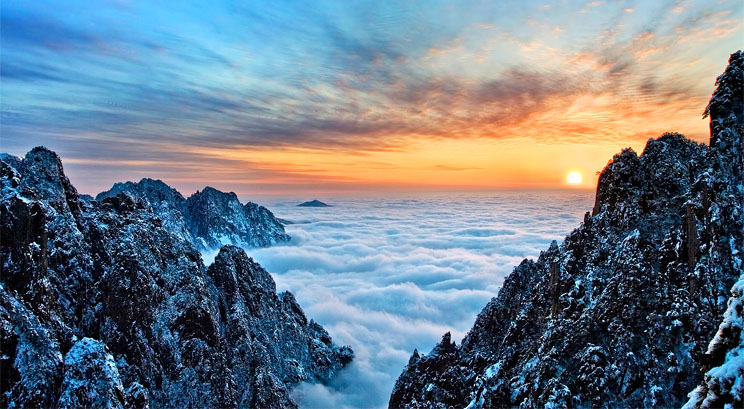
x,y
638,307
107,303
209,218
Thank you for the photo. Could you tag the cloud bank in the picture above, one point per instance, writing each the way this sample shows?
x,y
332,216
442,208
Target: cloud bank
x,y
387,275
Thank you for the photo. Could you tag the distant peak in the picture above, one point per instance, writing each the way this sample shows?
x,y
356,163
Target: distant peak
x,y
149,181
314,203
155,184
212,192
11,160
151,189
6,156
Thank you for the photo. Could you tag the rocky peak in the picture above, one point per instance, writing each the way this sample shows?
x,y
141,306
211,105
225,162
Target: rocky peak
x,y
639,306
44,179
430,378
10,177
726,111
215,218
659,179
314,203
215,195
209,218
726,107
245,288
153,190
617,180
104,306
292,307
445,346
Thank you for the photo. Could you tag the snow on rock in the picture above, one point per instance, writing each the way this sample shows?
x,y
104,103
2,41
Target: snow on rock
x,y
208,218
91,378
117,287
215,218
30,356
622,313
723,384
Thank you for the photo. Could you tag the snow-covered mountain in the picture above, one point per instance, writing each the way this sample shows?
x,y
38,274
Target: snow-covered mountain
x,y
107,303
208,218
640,306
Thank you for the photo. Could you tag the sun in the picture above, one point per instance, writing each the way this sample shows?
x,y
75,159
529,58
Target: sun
x,y
573,178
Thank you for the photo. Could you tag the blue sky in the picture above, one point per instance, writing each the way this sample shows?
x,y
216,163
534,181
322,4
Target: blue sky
x,y
125,89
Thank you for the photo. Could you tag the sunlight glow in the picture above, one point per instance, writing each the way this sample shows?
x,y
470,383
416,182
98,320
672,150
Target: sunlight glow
x,y
573,178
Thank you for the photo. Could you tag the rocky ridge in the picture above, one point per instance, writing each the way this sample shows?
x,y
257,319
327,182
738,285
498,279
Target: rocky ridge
x,y
106,303
209,218
640,306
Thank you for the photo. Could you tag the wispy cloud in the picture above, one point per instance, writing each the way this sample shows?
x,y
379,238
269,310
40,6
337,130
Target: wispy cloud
x,y
372,77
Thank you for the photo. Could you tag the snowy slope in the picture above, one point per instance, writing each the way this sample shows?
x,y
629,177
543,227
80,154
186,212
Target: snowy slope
x,y
107,303
621,313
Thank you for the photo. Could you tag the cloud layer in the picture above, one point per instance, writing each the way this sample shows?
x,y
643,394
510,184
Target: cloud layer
x,y
387,275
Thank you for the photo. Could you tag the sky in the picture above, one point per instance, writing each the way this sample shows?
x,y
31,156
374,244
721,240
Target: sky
x,y
290,97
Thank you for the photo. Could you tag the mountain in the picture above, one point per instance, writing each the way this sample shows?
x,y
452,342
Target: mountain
x,y
313,203
209,218
640,306
107,303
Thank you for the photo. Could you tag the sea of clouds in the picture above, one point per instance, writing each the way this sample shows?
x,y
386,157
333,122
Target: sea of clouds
x,y
387,275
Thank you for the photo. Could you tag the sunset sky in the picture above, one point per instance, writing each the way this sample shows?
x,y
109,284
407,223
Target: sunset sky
x,y
348,96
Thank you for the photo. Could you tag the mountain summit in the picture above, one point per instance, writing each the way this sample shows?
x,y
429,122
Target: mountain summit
x,y
640,306
209,218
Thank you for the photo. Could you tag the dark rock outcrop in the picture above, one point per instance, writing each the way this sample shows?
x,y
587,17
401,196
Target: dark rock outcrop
x,y
622,313
107,303
723,384
208,218
215,218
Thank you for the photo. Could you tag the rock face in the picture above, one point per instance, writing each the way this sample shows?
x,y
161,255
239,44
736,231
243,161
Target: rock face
x,y
107,303
209,218
313,203
215,218
723,384
622,313
91,377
